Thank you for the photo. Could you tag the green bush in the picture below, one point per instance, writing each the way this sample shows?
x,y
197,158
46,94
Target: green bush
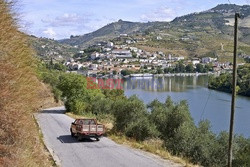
x,y
101,105
141,129
131,117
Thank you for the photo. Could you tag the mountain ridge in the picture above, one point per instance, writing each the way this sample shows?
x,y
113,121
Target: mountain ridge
x,y
220,17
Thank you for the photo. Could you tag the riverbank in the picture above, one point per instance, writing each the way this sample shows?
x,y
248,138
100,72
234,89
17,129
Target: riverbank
x,y
148,75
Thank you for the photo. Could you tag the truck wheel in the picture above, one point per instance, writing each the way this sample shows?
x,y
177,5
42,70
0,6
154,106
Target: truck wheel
x,y
97,139
79,138
72,134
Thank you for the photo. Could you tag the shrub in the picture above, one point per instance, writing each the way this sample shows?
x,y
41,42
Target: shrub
x,y
131,117
141,129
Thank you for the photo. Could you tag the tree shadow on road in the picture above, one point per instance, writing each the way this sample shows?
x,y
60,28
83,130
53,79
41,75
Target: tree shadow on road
x,y
70,139
48,111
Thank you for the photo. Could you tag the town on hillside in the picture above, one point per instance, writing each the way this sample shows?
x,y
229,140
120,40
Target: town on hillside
x,y
121,58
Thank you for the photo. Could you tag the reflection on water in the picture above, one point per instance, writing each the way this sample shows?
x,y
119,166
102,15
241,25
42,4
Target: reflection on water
x,y
166,84
203,102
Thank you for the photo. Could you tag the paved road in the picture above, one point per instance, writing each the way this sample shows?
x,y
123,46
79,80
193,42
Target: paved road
x,y
105,153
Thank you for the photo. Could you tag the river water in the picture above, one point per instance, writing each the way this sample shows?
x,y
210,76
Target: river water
x,y
203,102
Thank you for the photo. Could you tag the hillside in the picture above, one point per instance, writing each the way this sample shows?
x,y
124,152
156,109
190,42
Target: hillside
x,y
47,48
21,95
110,31
198,34
208,33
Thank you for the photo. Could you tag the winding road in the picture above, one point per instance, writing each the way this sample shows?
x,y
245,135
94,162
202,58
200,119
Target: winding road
x,y
68,152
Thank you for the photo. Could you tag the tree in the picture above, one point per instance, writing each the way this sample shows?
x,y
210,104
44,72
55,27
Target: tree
x,y
168,70
59,67
199,68
179,67
189,68
159,70
134,55
131,117
126,72
76,92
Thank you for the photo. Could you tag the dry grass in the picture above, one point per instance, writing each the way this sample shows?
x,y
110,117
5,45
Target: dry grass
x,y
21,94
153,146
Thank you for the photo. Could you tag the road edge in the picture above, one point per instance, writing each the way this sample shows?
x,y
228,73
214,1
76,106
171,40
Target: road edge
x,y
54,157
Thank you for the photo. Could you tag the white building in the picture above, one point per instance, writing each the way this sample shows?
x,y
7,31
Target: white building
x,y
122,53
110,44
94,55
208,59
195,61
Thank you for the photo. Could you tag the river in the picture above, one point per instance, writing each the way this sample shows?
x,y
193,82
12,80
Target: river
x,y
203,102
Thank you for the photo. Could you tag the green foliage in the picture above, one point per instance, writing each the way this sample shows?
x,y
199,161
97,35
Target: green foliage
x,y
126,72
199,68
78,96
168,117
159,70
76,105
242,158
141,128
223,82
199,144
91,50
59,67
50,77
134,54
101,105
114,94
189,68
168,70
131,117
179,67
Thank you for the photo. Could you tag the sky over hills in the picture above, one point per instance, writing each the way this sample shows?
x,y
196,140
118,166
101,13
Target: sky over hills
x,y
61,18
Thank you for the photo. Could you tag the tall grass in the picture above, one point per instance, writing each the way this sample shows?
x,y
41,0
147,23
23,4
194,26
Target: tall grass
x,y
20,90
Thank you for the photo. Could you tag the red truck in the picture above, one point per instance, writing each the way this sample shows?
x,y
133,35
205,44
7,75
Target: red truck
x,y
87,128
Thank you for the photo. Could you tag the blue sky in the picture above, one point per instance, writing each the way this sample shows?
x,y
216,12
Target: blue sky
x,y
61,18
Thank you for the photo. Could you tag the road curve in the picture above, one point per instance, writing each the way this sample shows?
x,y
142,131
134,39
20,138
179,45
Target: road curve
x,y
69,152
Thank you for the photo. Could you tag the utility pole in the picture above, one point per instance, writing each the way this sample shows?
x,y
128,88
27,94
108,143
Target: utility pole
x,y
230,148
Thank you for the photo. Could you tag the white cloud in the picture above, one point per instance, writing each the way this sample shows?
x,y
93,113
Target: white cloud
x,y
49,32
68,20
160,14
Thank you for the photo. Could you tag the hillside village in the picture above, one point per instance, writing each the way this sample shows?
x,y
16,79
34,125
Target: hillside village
x,y
123,58
195,43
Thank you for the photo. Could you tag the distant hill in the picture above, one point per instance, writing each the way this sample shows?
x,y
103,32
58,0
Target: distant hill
x,y
215,20
110,31
47,48
218,19
207,33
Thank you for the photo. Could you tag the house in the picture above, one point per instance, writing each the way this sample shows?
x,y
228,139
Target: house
x,y
208,59
134,49
178,58
110,44
123,35
122,53
93,67
94,55
159,38
195,61
128,41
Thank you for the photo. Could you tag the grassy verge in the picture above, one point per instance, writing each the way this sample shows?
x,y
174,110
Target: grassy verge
x,y
41,139
151,145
